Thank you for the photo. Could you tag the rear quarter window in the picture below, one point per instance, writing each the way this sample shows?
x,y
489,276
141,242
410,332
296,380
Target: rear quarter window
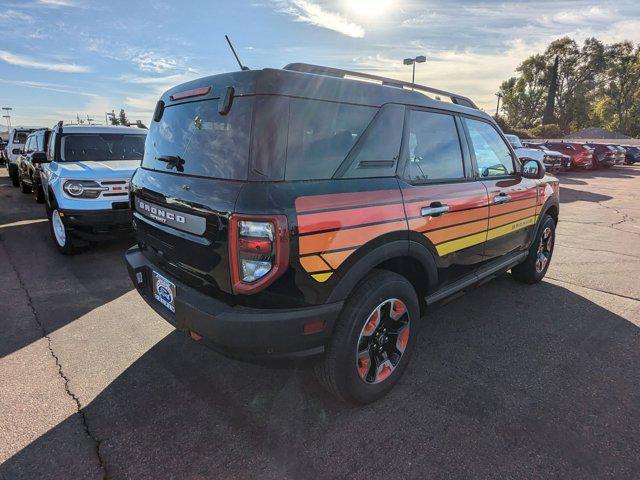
x,y
321,135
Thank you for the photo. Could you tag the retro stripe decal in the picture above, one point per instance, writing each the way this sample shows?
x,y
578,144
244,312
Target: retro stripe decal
x,y
331,227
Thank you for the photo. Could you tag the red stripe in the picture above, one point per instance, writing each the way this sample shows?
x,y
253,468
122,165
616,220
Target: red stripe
x,y
348,218
342,200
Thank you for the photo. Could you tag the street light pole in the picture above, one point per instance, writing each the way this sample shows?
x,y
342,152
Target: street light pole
x,y
499,95
413,61
7,116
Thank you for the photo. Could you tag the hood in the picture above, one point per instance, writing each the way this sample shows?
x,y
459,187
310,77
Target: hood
x,y
95,170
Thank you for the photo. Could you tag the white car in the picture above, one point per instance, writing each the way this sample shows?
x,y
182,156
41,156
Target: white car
x,y
553,161
15,144
85,175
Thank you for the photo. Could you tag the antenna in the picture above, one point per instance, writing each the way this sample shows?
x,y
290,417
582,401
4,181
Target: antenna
x,y
242,67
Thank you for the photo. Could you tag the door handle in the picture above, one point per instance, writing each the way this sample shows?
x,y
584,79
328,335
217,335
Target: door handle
x,y
434,210
501,198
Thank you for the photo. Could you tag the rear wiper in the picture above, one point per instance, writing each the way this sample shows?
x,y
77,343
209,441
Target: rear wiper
x,y
172,161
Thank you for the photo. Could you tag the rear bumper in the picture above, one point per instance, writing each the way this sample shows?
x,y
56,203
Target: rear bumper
x,y
99,224
239,331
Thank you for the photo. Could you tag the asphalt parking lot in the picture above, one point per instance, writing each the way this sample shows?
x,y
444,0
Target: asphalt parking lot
x,y
508,381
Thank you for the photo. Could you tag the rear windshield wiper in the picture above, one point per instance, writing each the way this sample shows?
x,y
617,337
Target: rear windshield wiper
x,y
172,161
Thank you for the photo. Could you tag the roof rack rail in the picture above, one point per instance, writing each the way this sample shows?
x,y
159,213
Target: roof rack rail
x,y
337,72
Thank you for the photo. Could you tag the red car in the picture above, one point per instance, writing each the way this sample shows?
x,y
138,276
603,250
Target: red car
x,y
581,155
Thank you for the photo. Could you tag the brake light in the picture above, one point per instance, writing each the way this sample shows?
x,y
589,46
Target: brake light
x,y
258,251
193,92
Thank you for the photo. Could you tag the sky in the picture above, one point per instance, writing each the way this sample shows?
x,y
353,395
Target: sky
x,y
62,58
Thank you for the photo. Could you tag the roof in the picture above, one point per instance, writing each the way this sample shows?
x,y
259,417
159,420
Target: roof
x,y
102,129
596,133
323,83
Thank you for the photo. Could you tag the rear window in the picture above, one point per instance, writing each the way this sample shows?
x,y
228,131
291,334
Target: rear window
x,y
321,134
210,144
101,147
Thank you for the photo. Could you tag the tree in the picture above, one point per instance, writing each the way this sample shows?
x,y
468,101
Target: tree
x,y
112,118
122,118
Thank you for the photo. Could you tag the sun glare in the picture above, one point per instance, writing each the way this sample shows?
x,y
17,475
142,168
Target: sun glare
x,y
369,8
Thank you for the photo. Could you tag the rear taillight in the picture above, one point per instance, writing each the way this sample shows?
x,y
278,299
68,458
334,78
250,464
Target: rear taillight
x,y
258,251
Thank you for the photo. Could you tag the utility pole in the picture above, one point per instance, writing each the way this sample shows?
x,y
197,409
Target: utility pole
x,y
413,61
7,115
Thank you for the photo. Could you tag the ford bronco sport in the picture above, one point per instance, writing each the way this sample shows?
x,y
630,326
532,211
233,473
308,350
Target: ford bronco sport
x,y
305,212
85,175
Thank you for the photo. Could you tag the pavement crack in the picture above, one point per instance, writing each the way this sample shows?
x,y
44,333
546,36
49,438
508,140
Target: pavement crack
x,y
594,289
83,417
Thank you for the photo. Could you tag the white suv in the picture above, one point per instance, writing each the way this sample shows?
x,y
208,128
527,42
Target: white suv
x,y
85,175
15,144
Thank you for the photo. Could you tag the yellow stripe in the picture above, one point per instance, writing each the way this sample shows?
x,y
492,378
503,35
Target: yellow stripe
x,y
511,227
466,242
460,243
321,277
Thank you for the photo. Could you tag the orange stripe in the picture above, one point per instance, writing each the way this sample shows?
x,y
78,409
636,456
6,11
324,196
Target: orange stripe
x,y
448,219
452,233
511,217
313,264
511,206
353,237
346,218
335,259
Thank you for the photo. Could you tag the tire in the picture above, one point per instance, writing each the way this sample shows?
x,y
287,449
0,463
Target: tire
x,y
38,194
13,175
367,377
535,266
61,236
24,188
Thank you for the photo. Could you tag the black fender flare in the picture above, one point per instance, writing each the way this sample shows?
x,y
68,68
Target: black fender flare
x,y
382,253
551,202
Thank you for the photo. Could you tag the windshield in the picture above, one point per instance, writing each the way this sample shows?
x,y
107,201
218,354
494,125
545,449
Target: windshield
x,y
203,141
21,137
101,147
514,141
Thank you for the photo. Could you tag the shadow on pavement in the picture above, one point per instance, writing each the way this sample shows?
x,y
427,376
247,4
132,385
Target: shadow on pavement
x,y
507,382
569,195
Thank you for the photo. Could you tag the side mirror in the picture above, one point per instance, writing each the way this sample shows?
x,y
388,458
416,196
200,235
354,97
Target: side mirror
x,y
16,151
533,169
39,157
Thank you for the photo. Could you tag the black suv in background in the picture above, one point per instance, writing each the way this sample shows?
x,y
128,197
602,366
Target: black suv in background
x,y
306,212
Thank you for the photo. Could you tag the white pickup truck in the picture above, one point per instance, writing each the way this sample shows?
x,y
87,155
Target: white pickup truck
x,y
553,161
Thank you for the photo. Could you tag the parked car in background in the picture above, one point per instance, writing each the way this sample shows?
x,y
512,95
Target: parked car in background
x,y
85,179
3,154
581,155
320,215
603,155
15,144
29,172
632,155
551,160
619,153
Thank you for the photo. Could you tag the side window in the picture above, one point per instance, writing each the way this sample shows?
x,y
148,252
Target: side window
x,y
377,152
50,147
321,134
492,154
433,148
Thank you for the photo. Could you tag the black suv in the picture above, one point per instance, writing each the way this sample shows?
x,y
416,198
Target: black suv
x,y
311,211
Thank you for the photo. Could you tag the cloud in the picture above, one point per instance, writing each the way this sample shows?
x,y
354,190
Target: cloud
x,y
27,62
314,14
12,16
57,3
149,61
46,86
